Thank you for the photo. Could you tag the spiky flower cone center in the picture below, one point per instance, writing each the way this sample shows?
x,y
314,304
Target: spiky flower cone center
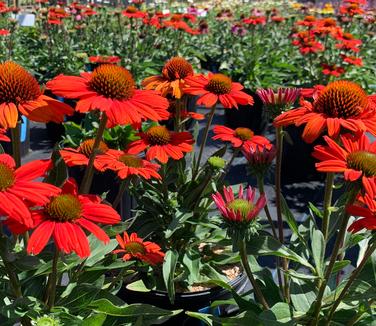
x,y
112,81
131,10
244,133
86,147
16,84
177,68
7,177
219,84
176,18
363,161
135,248
64,208
242,206
341,99
131,161
158,135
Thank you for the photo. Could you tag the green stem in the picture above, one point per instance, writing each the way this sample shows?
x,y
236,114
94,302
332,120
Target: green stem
x,y
13,278
203,143
260,184
89,172
352,278
327,204
229,164
116,279
123,186
278,196
16,144
333,258
52,282
244,258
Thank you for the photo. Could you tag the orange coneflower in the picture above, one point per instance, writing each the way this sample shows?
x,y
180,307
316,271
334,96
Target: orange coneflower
x,y
240,137
217,87
341,105
111,89
20,94
126,164
161,144
65,216
3,137
356,159
133,12
171,81
81,155
134,247
18,189
367,211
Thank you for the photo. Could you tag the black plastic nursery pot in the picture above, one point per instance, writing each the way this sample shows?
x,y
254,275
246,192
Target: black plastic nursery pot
x,y
298,165
106,182
247,116
210,64
193,301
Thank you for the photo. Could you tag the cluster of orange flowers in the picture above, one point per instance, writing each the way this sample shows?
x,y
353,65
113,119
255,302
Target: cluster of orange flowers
x,y
316,37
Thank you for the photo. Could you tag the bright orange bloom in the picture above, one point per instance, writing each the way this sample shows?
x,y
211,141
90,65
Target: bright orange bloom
x,y
126,165
240,137
356,159
65,216
217,87
161,144
81,155
20,94
171,81
341,105
134,247
18,190
111,89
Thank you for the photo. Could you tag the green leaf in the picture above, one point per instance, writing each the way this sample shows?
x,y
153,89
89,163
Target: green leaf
x,y
206,318
318,251
315,210
131,313
99,250
268,246
279,314
302,294
300,276
94,320
339,265
169,265
80,297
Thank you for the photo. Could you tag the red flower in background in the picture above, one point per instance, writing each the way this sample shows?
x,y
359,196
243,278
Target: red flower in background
x,y
161,144
356,159
111,89
255,20
308,21
352,60
240,137
341,105
21,94
65,216
367,211
3,137
133,12
348,43
104,59
171,81
217,87
18,190
4,32
332,70
134,247
126,165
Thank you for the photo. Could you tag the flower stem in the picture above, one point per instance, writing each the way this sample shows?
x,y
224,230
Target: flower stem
x,y
228,166
13,278
352,278
52,282
333,258
16,144
245,263
327,203
260,184
203,143
123,186
278,196
89,172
